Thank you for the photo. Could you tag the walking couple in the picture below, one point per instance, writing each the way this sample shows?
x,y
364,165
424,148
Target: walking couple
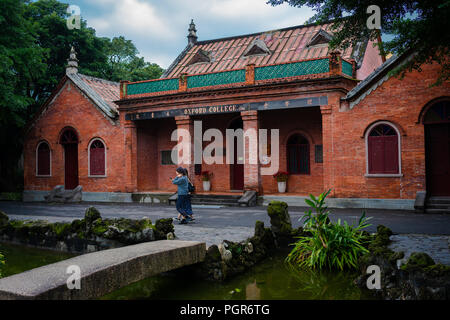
x,y
185,186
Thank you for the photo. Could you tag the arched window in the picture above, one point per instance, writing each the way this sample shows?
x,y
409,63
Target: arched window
x,y
43,159
383,145
97,158
298,155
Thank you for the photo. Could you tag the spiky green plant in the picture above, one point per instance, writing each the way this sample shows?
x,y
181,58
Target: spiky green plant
x,y
330,245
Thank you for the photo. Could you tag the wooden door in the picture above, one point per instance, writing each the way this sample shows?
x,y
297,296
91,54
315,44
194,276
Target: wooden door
x,y
71,166
437,144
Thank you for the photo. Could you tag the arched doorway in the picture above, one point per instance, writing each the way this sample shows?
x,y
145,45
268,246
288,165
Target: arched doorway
x,y
437,148
297,154
236,169
69,140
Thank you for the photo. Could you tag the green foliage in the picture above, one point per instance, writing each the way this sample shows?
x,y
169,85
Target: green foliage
x,y
34,47
329,245
421,26
2,263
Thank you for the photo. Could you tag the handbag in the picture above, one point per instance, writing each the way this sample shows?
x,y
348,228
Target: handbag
x,y
191,187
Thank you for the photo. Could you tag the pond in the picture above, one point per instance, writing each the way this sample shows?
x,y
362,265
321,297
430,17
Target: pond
x,y
21,258
270,280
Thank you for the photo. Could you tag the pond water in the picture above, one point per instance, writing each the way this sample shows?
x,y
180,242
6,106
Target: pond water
x,y
270,280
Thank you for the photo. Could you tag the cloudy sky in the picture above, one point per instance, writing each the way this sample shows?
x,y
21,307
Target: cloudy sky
x,y
159,28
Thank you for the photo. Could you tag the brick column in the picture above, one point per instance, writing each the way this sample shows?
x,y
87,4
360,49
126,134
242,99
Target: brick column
x,y
187,161
327,145
130,156
252,176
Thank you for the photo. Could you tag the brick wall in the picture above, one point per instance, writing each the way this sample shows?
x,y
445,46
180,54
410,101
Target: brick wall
x,y
397,101
72,108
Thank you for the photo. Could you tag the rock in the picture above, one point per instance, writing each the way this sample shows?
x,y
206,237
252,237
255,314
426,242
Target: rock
x,y
91,215
170,236
227,256
418,260
259,229
3,219
163,227
249,247
280,221
59,194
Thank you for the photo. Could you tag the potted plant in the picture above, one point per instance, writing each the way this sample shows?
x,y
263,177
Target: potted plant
x,y
206,176
281,177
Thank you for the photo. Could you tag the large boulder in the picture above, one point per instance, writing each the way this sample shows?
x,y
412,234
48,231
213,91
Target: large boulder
x,y
91,215
280,221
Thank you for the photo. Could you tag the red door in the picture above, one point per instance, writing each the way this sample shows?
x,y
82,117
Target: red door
x,y
237,170
71,166
437,143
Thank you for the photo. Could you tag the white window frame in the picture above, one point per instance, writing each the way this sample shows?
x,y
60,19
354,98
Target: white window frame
x,y
37,159
89,159
399,145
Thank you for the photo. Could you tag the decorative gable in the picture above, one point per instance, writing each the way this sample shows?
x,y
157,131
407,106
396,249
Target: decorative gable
x,y
257,47
201,56
321,37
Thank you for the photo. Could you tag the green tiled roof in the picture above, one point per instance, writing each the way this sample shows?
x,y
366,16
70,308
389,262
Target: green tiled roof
x,y
292,69
347,68
152,86
214,79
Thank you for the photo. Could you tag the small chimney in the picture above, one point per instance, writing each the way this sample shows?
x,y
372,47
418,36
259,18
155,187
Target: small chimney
x,y
72,65
192,35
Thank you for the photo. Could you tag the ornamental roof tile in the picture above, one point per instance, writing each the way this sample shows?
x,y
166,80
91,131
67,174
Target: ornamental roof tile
x,y
285,45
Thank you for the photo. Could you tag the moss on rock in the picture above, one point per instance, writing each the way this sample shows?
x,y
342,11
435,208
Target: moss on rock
x,y
91,215
418,260
3,219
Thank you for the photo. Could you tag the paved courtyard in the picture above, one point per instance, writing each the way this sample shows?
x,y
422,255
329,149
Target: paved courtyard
x,y
214,224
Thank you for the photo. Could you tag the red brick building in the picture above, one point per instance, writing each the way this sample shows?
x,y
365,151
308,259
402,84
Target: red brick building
x,y
343,122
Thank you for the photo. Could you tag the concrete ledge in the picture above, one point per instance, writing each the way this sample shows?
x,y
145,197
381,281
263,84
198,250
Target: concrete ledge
x,y
34,196
102,271
140,197
106,197
363,203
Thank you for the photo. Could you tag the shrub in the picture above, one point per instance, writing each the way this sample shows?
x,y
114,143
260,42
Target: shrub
x,y
330,245
281,176
206,175
2,263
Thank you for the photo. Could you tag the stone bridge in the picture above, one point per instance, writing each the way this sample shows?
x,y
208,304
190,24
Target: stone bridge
x,y
102,271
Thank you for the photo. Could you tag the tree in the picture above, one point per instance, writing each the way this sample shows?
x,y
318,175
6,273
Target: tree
x,y
21,67
124,64
34,47
421,26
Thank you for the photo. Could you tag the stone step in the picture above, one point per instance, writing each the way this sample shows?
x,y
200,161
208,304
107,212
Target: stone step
x,y
216,196
435,200
441,210
438,206
213,199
